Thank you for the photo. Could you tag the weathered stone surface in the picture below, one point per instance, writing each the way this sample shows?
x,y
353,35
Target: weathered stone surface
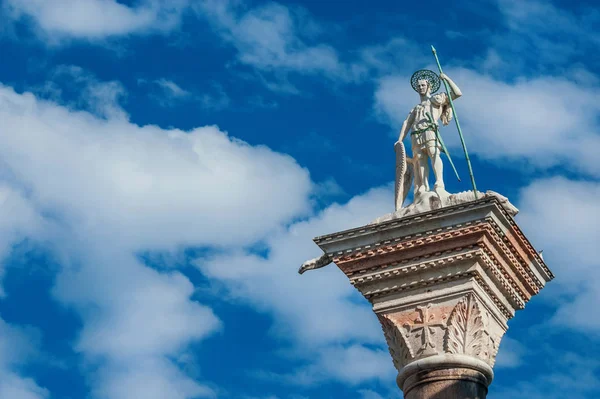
x,y
454,383
443,284
457,325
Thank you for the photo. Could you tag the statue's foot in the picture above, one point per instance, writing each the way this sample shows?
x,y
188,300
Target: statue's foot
x,y
421,193
441,192
420,190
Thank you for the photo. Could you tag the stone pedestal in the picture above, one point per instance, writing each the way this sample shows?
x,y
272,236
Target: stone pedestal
x,y
443,284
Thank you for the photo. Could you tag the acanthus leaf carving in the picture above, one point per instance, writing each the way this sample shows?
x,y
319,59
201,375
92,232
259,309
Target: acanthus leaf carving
x,y
494,346
466,333
398,344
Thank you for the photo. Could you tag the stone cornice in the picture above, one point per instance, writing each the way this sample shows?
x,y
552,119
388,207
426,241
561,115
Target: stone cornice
x,y
385,233
385,259
414,220
474,254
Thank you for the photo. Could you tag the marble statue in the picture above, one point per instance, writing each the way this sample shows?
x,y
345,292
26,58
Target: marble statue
x,y
427,145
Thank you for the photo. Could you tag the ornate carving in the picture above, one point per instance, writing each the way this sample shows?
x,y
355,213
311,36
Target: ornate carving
x,y
492,342
466,332
427,330
493,348
397,341
424,328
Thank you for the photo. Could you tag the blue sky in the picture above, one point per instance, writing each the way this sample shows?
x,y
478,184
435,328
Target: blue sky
x,y
164,166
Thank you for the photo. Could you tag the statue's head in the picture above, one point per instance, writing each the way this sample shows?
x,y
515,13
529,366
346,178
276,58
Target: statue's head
x,y
423,86
425,82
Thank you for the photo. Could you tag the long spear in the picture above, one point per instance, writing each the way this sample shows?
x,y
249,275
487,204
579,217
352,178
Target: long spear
x,y
439,137
462,140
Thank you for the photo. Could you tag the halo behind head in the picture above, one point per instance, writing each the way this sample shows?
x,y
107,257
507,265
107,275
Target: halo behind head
x,y
430,76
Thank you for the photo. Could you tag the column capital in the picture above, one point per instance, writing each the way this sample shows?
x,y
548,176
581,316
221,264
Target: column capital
x,y
443,284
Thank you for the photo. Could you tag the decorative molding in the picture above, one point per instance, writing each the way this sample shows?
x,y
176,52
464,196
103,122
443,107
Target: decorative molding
x,y
505,280
486,227
410,241
419,284
444,258
441,262
514,256
503,309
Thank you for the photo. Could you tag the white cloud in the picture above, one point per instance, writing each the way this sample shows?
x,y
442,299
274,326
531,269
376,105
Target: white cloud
x,y
398,55
169,94
97,19
394,99
352,365
158,302
319,314
563,218
86,92
541,122
568,375
171,88
277,40
17,347
19,219
215,100
150,378
510,353
273,36
368,394
106,189
182,182
15,387
540,23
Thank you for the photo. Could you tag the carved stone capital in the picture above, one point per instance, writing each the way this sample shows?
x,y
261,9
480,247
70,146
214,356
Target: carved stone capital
x,y
451,326
444,285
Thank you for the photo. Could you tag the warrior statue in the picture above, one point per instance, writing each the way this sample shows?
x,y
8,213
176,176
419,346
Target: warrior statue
x,y
427,144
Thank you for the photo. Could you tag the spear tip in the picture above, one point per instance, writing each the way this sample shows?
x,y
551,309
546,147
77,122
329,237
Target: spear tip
x,y
433,49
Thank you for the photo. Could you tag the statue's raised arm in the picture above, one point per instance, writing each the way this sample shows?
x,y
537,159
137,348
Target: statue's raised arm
x,y
454,90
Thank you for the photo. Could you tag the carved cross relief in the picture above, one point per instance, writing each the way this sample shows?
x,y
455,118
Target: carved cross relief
x,y
424,328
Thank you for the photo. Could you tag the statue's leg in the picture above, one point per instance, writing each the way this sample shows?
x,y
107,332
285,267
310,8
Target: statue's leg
x,y
425,161
420,166
433,150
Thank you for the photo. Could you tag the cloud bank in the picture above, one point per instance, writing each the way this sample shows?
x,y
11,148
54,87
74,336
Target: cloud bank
x,y
99,190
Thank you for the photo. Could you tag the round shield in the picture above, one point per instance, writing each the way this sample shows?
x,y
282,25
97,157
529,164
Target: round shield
x,y
434,80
